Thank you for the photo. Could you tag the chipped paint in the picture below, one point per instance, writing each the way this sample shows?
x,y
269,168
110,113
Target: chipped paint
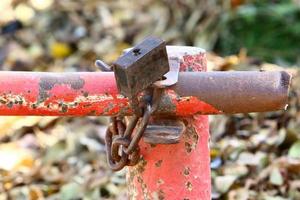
x,y
158,163
186,171
88,93
189,186
168,168
47,83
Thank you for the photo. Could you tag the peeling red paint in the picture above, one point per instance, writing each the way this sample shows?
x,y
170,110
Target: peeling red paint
x,y
194,62
95,93
177,171
64,99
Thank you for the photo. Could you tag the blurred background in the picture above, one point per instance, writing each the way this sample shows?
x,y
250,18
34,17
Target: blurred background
x,y
253,156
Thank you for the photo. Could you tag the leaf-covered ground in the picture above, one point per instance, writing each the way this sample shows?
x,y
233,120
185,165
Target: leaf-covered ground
x,y
254,156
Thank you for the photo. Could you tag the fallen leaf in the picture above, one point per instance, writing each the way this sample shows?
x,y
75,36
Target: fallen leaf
x,y
13,157
276,177
223,183
294,151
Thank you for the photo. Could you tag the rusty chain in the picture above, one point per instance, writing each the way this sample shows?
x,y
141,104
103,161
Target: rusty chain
x,y
121,140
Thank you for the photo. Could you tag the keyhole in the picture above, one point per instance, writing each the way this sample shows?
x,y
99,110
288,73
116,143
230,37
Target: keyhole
x,y
136,52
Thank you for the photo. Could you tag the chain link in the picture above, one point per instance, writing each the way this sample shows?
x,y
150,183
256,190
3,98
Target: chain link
x,y
121,144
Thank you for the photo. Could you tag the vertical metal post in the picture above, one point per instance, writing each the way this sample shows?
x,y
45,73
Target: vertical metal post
x,y
177,171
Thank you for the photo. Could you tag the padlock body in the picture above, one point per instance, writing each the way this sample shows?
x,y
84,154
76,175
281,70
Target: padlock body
x,y
140,67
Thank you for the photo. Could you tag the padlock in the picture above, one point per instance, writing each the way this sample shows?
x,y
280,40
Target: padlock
x,y
140,67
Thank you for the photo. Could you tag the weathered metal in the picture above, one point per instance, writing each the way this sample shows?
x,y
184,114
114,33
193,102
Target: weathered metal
x,y
116,139
123,140
170,78
138,68
176,171
237,92
95,93
103,66
164,131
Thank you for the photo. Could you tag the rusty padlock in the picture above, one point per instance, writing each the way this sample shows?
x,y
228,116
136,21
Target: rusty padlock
x,y
140,67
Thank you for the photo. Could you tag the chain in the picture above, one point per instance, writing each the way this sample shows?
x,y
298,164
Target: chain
x,y
122,141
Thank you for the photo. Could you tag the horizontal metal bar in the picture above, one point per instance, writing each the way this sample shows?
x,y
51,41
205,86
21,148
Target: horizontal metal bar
x,y
237,92
95,93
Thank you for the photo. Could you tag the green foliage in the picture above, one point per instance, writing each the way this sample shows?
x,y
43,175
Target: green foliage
x,y
270,32
268,2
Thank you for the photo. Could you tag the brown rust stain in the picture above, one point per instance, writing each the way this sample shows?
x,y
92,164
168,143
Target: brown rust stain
x,y
93,113
10,104
160,182
144,188
109,108
186,171
158,195
166,105
64,108
190,137
85,94
136,172
3,101
189,186
161,195
10,100
158,163
188,147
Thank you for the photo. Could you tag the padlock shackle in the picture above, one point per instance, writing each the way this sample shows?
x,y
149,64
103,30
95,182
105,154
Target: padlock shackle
x,y
95,93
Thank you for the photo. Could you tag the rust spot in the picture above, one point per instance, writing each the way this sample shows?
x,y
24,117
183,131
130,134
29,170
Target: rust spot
x,y
109,107
85,94
18,101
166,105
161,195
158,195
135,173
93,112
64,108
188,147
189,186
186,171
10,104
160,182
141,165
191,138
158,163
3,101
139,179
144,187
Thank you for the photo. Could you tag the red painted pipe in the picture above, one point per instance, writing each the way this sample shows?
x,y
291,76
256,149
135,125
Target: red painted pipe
x,y
95,93
177,171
